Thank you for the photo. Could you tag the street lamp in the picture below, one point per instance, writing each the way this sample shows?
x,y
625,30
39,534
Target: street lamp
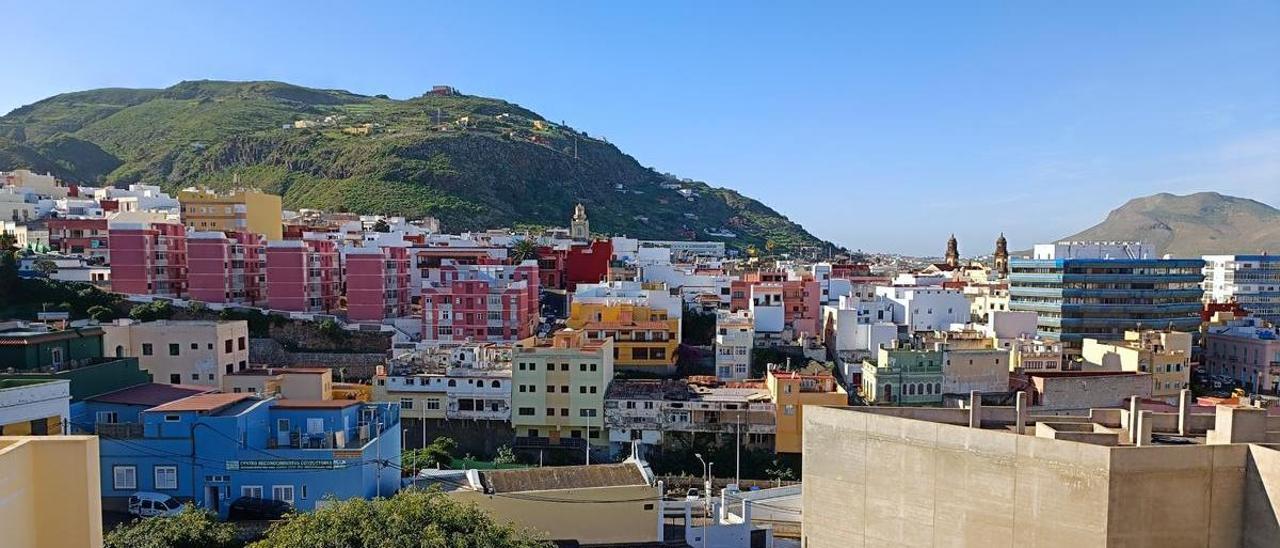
x,y
706,501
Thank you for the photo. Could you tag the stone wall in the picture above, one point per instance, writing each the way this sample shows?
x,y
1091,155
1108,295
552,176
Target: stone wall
x,y
480,439
353,366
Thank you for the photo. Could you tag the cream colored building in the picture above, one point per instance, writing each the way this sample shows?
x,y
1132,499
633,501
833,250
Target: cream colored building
x,y
602,504
50,492
14,207
995,477
181,352
558,388
239,210
1166,355
41,185
298,383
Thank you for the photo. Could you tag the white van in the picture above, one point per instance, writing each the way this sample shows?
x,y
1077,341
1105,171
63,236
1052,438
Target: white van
x,y
145,504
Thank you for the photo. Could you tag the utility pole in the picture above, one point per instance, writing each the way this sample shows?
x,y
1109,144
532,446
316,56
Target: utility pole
x,y
377,478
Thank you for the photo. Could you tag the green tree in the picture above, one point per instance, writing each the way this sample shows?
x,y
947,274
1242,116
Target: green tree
x,y
330,329
148,312
697,328
9,279
506,456
191,528
524,249
45,267
779,471
410,518
437,454
101,313
381,226
7,241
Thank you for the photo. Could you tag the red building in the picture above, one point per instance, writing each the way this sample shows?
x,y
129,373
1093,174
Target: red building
x,y
148,257
86,237
564,267
495,303
226,268
801,299
377,283
303,275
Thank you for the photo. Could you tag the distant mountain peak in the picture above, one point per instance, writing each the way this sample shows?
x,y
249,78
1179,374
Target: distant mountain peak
x,y
1201,223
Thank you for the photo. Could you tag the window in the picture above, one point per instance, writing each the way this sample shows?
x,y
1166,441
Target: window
x,y
593,390
304,491
525,412
172,418
254,491
124,478
195,346
106,417
582,390
175,378
282,492
146,349
406,403
789,410
564,389
551,411
226,346
173,349
195,376
119,351
240,345
433,404
166,477
564,367
564,411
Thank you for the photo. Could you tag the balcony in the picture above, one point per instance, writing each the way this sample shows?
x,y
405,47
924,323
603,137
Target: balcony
x,y
118,430
526,442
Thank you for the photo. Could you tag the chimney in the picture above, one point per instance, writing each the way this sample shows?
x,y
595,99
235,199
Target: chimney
x,y
975,409
1184,412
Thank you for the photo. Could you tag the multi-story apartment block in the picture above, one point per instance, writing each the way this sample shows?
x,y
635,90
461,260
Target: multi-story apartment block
x,y
226,267
377,282
799,296
859,326
1247,350
644,338
497,303
1166,355
149,257
296,451
457,394
1100,290
558,389
238,210
655,412
791,392
926,308
1035,355
735,339
1252,281
181,352
303,275
85,237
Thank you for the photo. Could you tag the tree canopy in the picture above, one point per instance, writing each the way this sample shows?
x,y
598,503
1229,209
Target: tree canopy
x,y
192,528
411,518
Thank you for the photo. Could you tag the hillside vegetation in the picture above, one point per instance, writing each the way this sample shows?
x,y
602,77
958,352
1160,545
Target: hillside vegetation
x,y
473,162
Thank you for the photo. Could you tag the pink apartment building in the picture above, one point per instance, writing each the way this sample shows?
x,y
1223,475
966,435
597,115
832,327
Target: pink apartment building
x,y
801,298
226,267
303,275
1247,350
495,303
377,283
148,257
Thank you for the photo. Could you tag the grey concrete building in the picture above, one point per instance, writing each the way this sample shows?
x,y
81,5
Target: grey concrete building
x,y
992,477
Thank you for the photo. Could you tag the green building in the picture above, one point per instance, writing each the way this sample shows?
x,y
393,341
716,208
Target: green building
x,y
903,376
25,347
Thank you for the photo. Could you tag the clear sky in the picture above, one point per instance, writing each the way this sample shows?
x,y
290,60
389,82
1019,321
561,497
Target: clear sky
x,y
878,125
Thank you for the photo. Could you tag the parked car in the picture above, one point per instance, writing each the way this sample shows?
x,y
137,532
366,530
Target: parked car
x,y
692,494
146,504
253,508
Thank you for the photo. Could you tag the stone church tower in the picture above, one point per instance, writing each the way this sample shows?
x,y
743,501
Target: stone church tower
x,y
953,252
1002,257
579,229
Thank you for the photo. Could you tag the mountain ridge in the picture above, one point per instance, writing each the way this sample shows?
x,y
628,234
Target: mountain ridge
x,y
474,162
1191,225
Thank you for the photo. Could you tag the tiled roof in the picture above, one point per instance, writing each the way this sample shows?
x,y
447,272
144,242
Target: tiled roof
x,y
552,478
201,402
151,394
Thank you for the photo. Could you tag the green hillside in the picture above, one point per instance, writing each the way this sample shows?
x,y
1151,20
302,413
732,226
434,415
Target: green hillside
x,y
473,162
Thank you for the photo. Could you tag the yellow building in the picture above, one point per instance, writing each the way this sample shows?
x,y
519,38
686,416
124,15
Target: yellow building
x,y
299,383
239,210
644,338
791,392
557,390
50,491
1166,355
551,500
198,352
419,396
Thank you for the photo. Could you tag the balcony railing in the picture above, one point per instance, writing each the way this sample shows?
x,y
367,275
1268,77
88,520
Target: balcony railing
x,y
118,430
526,442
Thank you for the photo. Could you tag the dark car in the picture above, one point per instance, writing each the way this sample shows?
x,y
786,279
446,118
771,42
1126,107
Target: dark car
x,y
253,508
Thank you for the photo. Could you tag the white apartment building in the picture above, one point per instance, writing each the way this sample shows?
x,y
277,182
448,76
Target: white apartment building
x,y
1252,281
735,337
922,308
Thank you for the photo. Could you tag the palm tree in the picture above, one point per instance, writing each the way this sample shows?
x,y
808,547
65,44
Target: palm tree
x,y
524,250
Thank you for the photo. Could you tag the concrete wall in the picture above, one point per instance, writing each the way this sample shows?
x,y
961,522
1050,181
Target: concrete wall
x,y
873,480
49,491
1172,496
1261,505
614,523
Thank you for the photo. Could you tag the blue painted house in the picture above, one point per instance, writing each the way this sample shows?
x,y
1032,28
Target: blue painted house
x,y
214,448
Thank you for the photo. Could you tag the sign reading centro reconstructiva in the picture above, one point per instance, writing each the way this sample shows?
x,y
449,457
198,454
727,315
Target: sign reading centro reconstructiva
x,y
286,464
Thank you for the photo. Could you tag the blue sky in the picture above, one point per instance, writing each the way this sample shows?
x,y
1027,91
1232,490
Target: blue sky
x,y
878,125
